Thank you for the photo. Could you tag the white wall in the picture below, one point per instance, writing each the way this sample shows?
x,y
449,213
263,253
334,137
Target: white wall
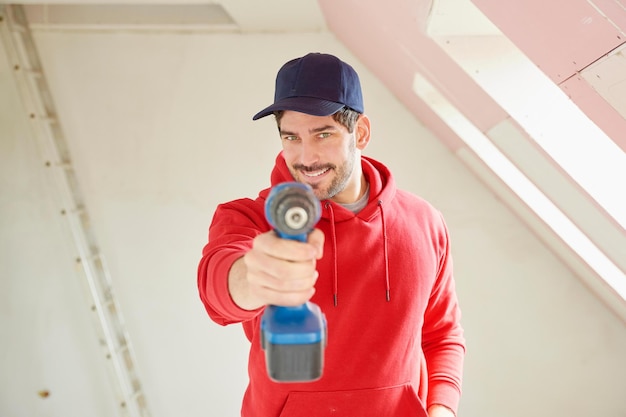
x,y
160,131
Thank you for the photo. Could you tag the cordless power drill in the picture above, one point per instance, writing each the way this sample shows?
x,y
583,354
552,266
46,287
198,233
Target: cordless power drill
x,y
294,338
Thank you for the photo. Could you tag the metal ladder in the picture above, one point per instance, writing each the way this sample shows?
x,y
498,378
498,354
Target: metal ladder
x,y
38,103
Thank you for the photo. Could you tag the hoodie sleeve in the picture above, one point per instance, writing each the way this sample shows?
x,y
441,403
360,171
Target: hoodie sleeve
x,y
232,230
443,342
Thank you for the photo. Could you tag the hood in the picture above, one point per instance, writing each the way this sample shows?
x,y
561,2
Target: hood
x,y
381,192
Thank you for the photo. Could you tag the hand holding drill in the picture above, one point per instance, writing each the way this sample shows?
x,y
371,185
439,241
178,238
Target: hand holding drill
x,y
281,271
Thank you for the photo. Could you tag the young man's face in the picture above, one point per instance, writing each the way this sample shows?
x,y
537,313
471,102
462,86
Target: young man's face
x,y
322,153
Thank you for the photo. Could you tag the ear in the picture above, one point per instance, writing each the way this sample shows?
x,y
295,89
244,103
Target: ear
x,y
362,132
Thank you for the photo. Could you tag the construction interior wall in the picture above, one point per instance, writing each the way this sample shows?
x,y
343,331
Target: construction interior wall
x,y
160,132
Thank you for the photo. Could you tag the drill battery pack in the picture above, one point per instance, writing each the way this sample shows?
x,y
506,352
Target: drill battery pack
x,y
294,339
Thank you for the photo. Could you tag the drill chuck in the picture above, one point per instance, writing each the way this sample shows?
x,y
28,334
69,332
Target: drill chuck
x,y
293,210
293,338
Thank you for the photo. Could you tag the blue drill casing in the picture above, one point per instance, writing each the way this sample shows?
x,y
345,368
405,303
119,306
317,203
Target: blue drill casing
x,y
294,338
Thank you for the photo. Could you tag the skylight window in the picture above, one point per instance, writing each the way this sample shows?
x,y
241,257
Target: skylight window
x,y
553,121
578,191
521,185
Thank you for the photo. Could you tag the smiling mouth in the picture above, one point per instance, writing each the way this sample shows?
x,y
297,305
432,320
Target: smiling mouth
x,y
313,174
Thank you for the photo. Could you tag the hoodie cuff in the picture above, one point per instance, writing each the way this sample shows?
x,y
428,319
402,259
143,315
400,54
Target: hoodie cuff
x,y
222,299
444,394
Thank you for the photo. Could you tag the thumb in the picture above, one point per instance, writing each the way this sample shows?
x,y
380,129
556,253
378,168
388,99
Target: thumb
x,y
316,238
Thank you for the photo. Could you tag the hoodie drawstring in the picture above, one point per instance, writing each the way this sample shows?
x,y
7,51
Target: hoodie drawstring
x,y
334,240
385,250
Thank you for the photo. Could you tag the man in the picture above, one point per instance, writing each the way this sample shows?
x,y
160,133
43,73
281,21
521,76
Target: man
x,y
378,264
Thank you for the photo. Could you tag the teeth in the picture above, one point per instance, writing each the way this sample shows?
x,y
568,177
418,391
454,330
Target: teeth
x,y
316,174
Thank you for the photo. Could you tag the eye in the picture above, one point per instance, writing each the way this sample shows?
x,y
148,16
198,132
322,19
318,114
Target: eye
x,y
324,135
290,138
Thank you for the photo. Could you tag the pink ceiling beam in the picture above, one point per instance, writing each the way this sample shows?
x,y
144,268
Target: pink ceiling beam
x,y
561,37
391,42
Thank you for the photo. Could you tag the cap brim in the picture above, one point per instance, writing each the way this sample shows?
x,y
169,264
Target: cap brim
x,y
307,105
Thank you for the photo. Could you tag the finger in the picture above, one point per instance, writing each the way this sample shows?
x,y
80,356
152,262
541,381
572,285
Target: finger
x,y
278,290
286,249
316,238
281,267
280,275
287,299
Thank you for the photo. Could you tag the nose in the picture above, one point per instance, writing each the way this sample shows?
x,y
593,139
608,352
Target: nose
x,y
309,153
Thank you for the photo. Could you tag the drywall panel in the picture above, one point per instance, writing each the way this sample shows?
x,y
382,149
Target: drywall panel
x,y
539,351
51,360
614,11
596,108
608,77
560,37
565,194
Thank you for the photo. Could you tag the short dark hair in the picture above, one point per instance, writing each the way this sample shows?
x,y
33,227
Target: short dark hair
x,y
345,117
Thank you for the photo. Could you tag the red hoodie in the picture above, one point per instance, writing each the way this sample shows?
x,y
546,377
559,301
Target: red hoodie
x,y
386,288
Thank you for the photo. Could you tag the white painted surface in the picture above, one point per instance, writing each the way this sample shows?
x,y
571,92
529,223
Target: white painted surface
x,y
48,342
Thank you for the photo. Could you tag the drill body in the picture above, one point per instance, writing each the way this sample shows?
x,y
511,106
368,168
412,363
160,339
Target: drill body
x,y
293,338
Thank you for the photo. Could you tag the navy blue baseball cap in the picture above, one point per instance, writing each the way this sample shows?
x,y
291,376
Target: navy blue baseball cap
x,y
316,84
